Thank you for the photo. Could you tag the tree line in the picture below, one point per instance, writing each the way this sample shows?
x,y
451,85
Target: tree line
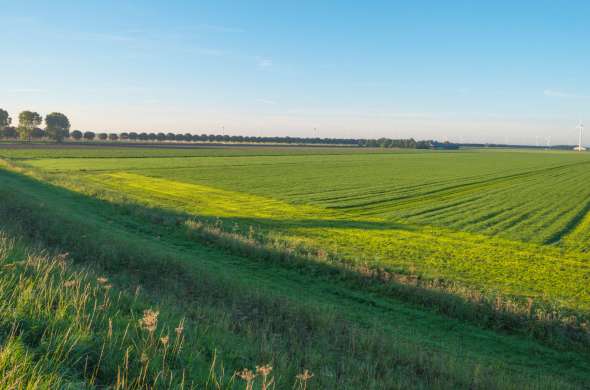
x,y
57,128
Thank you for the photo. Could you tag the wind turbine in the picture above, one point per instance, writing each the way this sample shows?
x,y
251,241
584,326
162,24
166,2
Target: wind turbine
x,y
581,128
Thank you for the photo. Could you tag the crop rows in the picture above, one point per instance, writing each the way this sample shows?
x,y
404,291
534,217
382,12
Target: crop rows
x,y
506,221
522,196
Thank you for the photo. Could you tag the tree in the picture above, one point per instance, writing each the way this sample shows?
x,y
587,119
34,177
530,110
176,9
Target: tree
x,y
27,121
5,119
77,135
9,132
57,126
124,136
113,137
102,136
38,133
160,136
89,135
133,136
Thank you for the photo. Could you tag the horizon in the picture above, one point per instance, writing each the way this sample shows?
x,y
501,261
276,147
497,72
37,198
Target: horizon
x,y
467,73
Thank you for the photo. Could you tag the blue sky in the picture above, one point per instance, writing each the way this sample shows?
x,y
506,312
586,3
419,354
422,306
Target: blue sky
x,y
460,70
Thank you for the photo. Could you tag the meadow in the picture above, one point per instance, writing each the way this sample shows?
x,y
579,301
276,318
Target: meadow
x,y
509,221
480,256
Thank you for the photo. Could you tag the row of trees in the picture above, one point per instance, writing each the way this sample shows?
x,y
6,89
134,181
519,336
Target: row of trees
x,y
395,143
188,137
57,126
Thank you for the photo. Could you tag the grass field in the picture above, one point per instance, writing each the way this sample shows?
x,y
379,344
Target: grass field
x,y
466,254
507,221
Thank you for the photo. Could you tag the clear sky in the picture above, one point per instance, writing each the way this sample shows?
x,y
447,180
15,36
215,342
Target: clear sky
x,y
515,71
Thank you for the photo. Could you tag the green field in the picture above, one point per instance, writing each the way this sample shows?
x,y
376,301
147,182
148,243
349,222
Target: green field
x,y
508,221
480,256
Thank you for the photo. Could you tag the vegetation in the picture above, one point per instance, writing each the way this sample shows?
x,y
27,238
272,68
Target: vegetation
x,y
77,135
65,326
27,122
58,126
305,258
433,215
5,120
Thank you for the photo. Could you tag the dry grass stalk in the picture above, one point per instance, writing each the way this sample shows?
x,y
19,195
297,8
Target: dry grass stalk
x,y
303,378
264,372
149,322
248,376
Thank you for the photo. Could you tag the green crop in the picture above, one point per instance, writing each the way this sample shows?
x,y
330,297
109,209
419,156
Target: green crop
x,y
506,221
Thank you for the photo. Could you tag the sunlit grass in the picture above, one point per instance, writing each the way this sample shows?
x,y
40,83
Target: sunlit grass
x,y
511,267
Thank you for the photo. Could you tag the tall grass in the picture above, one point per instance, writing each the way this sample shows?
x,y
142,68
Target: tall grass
x,y
64,327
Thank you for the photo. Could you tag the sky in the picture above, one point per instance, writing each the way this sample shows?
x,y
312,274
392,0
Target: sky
x,y
464,71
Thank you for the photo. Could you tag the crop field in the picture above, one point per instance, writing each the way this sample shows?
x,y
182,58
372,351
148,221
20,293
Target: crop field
x,y
506,227
533,197
508,221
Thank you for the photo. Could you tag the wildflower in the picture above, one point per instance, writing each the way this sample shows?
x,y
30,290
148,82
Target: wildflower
x,y
149,321
304,377
70,283
164,340
179,329
248,376
61,260
264,370
251,232
530,302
